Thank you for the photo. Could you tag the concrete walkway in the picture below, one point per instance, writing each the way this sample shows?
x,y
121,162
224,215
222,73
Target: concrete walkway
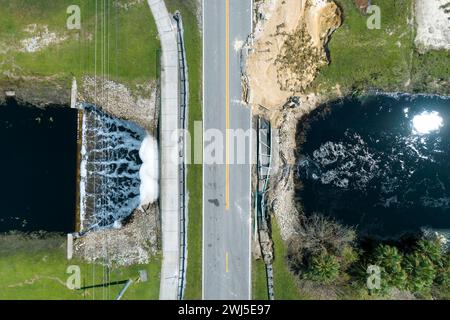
x,y
169,201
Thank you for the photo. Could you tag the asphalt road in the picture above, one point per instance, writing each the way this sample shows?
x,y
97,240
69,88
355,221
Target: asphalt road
x,y
226,188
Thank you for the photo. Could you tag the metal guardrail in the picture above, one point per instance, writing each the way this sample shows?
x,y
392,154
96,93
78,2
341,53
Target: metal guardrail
x,y
184,92
158,138
264,169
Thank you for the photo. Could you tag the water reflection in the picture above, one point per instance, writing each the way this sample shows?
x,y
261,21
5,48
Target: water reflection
x,y
427,122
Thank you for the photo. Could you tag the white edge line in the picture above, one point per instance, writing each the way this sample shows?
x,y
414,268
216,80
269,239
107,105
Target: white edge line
x,y
203,153
250,209
250,177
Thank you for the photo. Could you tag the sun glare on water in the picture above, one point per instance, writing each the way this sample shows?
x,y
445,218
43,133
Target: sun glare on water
x,y
427,122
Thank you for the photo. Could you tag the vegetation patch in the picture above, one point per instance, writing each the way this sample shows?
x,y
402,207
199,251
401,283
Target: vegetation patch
x,y
40,55
380,59
34,266
330,262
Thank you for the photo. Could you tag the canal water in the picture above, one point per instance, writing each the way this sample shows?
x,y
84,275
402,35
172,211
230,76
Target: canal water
x,y
38,163
380,163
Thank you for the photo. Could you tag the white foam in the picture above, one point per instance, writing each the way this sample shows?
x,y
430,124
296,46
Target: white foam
x,y
149,171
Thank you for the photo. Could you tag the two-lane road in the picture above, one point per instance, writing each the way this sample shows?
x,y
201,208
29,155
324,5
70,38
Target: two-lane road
x,y
226,186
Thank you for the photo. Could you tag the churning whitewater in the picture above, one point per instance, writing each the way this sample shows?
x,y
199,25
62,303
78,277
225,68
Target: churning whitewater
x,y
118,169
378,162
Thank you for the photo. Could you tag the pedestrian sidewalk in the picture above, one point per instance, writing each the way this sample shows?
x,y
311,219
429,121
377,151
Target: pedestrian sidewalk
x,y
169,184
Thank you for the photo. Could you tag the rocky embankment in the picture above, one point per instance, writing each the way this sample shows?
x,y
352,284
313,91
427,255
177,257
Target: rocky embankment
x,y
133,243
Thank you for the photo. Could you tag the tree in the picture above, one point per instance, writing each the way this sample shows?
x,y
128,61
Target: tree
x,y
421,272
317,234
389,259
433,250
323,268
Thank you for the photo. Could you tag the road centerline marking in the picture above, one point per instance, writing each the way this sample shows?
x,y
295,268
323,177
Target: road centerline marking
x,y
227,269
227,104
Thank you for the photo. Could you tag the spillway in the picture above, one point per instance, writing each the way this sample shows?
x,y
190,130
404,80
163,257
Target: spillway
x,y
118,169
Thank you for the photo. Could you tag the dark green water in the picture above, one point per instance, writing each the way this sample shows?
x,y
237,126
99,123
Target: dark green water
x,y
380,163
38,162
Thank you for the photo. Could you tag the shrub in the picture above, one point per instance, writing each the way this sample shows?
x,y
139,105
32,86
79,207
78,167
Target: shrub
x,y
389,259
317,234
323,268
348,257
443,271
433,250
421,272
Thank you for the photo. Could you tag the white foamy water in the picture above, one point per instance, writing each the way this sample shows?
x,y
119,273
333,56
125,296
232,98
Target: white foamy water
x,y
149,172
119,169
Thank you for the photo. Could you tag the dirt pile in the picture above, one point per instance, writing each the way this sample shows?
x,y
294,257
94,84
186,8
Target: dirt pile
x,y
289,48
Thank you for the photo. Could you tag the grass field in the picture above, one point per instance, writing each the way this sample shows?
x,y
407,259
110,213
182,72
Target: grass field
x,y
193,41
385,59
108,43
36,269
259,280
285,283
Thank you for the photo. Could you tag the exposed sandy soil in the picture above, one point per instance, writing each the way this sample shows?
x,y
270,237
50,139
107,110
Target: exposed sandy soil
x,y
433,24
288,48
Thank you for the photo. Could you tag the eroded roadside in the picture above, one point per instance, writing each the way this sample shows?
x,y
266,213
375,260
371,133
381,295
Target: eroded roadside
x,y
289,47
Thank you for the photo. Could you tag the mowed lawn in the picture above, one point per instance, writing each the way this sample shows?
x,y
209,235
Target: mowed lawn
x,y
120,43
37,269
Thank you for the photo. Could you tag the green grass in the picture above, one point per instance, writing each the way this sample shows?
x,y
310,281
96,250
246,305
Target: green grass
x,y
120,43
371,58
259,280
285,283
193,43
36,269
430,71
362,58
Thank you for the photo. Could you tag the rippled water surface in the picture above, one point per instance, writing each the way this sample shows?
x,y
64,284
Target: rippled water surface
x,y
379,162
